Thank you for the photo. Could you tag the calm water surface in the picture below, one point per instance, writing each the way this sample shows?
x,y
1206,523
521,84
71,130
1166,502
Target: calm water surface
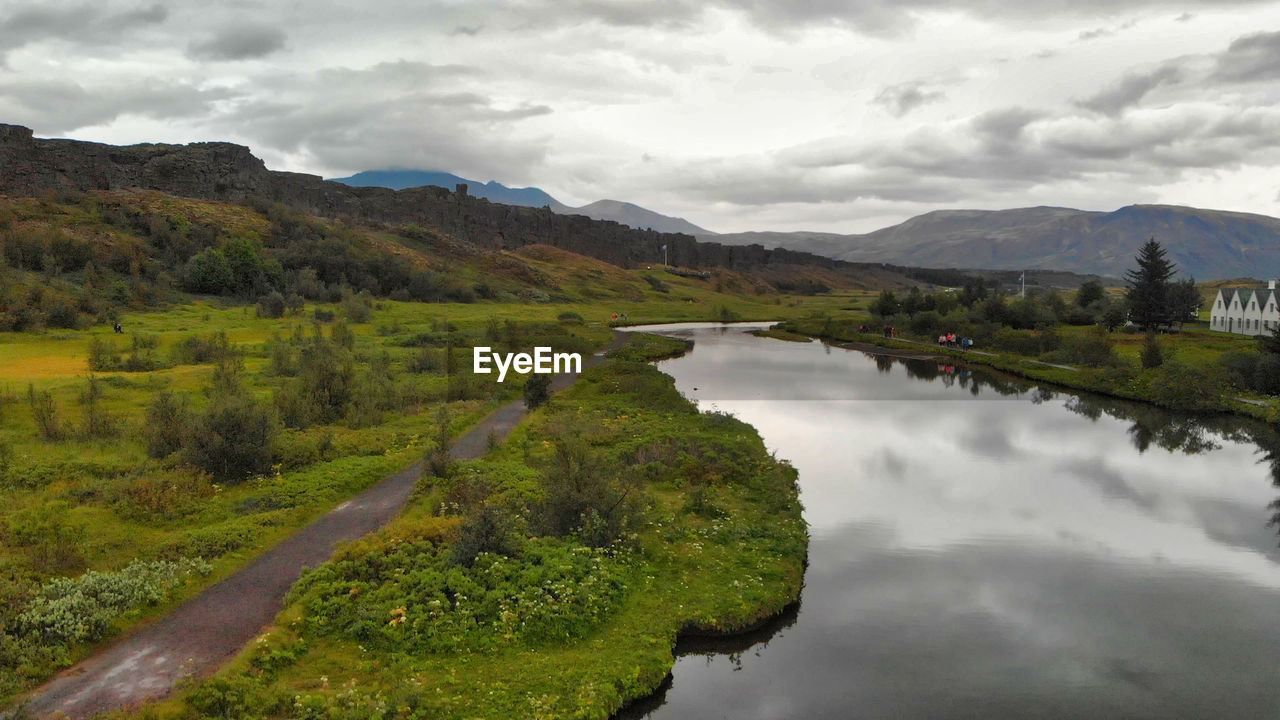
x,y
983,548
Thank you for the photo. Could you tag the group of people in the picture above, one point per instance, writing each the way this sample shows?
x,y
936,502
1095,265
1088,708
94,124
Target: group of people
x,y
950,340
947,340
888,330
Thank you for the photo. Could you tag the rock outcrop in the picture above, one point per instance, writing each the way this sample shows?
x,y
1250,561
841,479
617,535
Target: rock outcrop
x,y
224,171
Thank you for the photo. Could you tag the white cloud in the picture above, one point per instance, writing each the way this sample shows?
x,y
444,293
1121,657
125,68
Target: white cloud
x,y
736,114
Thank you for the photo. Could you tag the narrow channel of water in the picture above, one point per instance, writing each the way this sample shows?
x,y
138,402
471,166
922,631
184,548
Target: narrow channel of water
x,y
984,548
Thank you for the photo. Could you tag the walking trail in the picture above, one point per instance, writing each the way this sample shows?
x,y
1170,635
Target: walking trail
x,y
207,630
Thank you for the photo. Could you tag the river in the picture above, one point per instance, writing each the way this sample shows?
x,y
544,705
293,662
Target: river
x,y
986,548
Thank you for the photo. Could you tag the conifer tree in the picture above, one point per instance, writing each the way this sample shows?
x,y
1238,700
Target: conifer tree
x,y
1148,293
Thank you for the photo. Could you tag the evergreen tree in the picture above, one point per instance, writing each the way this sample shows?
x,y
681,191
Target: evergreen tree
x,y
1148,294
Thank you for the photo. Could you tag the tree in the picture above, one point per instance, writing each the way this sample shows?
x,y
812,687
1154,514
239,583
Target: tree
x,y
1148,293
1090,293
885,305
1184,301
1112,316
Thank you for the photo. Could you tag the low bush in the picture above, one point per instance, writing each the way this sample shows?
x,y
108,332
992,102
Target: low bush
x,y
411,597
71,610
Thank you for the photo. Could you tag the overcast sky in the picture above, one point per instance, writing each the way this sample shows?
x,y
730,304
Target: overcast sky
x,y
839,115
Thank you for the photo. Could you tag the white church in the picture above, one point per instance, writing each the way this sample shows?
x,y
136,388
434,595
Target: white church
x,y
1246,311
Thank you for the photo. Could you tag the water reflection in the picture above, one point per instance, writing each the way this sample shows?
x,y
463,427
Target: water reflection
x,y
1016,552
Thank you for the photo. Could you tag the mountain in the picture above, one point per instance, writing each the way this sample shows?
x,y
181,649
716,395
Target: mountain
x,y
625,213
637,217
1207,244
492,191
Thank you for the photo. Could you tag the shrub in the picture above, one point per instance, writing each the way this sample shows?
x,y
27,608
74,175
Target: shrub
x,y
103,354
283,361
195,350
168,425
45,413
326,380
537,391
322,315
412,598
723,314
54,541
62,314
68,610
357,308
927,323
582,498
233,439
1179,385
98,423
1152,353
570,318
271,305
439,462
488,530
1092,349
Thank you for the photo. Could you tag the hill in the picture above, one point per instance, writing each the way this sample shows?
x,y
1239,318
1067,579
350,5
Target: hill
x,y
626,213
1207,244
231,173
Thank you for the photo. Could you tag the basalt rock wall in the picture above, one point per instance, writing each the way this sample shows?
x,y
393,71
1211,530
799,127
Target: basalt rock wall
x,y
224,171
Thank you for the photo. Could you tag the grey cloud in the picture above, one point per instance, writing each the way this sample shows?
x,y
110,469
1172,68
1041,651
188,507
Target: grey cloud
x,y
1253,58
239,42
1131,89
57,106
870,16
1101,32
1005,124
902,99
89,23
401,114
994,154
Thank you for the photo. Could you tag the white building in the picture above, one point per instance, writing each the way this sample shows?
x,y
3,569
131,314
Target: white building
x,y
1246,311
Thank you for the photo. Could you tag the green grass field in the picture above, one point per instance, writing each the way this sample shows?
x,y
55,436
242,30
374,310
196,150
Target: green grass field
x,y
104,503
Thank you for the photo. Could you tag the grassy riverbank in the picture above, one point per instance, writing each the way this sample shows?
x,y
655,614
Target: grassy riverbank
x,y
686,523
96,489
1191,378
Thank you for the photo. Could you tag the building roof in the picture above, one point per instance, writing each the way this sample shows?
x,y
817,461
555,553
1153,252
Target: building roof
x,y
1263,295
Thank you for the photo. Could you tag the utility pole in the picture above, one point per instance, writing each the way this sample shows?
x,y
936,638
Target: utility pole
x,y
664,255
1023,279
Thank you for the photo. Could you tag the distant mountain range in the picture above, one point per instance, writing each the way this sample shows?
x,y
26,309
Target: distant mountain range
x,y
622,212
1208,244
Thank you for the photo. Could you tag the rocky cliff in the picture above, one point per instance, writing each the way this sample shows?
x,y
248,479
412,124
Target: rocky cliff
x,y
223,171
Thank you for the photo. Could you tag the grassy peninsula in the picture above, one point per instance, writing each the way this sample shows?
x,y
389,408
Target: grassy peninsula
x,y
549,579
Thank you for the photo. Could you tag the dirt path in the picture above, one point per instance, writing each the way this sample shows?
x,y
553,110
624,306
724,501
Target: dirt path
x,y
207,630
